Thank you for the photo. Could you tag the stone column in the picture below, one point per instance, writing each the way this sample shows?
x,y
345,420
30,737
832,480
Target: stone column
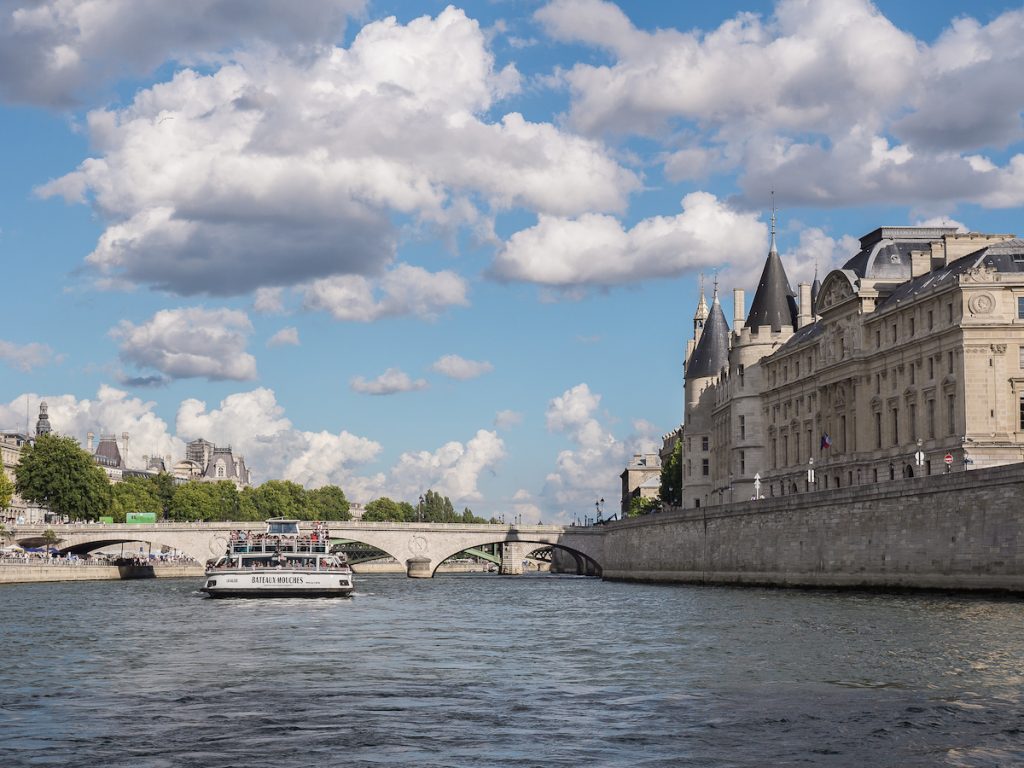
x,y
418,568
512,555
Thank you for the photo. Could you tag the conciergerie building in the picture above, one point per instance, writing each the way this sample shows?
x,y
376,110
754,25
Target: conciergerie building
x,y
907,361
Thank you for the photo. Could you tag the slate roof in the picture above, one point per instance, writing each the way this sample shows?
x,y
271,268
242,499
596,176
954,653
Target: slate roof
x,y
712,351
1006,256
107,453
885,253
774,302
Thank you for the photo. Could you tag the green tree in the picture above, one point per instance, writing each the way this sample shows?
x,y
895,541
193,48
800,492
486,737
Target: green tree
x,y
134,494
671,491
6,489
383,510
281,498
641,506
328,503
246,506
195,500
58,474
163,489
50,539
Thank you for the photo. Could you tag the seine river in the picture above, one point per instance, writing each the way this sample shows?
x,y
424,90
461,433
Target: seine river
x,y
483,670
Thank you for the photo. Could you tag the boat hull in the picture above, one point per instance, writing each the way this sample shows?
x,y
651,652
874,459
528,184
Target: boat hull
x,y
278,583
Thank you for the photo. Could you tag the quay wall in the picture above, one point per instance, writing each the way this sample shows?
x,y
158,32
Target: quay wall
x,y
23,574
958,531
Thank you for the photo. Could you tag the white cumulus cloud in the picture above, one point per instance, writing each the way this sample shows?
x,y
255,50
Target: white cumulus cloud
x,y
286,336
190,342
25,357
455,367
825,101
52,52
404,290
274,170
391,382
596,250
112,411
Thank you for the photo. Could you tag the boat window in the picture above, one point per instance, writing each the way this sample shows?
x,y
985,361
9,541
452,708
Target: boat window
x,y
284,528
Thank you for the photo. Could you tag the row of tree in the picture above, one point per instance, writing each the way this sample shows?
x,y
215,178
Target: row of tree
x,y
56,473
432,508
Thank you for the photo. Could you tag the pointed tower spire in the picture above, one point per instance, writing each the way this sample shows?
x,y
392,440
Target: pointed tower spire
x,y
700,317
712,351
815,287
774,303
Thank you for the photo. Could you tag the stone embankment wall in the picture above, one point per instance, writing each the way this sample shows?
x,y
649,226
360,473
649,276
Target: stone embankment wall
x,y
21,574
964,530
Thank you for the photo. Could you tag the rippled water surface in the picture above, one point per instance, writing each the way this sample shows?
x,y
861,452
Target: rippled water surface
x,y
499,671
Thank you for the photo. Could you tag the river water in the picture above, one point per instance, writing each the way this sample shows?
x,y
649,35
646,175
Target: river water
x,y
483,670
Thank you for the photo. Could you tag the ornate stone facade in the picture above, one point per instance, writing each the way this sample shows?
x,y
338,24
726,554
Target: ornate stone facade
x,y
913,351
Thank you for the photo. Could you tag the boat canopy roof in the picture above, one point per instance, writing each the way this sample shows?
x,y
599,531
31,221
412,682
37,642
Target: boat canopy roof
x,y
282,525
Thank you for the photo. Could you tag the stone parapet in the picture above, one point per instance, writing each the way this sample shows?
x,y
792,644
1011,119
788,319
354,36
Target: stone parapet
x,y
964,531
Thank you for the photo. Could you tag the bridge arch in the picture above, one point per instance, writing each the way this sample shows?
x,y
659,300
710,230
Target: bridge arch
x,y
585,564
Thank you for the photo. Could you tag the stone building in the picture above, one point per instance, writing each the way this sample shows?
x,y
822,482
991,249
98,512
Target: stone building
x,y
10,456
911,353
641,479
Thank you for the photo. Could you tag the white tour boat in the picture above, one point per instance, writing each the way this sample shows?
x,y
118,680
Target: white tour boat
x,y
283,562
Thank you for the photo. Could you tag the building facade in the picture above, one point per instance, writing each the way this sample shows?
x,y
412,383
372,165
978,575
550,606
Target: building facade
x,y
641,479
907,361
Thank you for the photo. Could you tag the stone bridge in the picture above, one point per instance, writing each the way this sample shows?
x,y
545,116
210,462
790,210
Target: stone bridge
x,y
422,547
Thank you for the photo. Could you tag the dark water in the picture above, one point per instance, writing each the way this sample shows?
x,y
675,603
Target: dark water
x,y
492,671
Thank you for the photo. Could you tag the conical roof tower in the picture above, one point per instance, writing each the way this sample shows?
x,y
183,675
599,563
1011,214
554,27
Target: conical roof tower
x,y
712,351
700,317
774,303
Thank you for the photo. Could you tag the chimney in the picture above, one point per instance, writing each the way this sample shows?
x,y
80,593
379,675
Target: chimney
x,y
920,263
88,442
737,309
806,316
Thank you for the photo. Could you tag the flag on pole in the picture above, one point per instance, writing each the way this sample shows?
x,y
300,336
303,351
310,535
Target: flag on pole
x,y
826,441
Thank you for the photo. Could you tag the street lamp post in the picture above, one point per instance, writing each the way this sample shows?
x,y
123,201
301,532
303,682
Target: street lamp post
x,y
810,473
419,511
757,486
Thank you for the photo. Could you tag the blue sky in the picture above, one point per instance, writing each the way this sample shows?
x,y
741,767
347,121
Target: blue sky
x,y
397,246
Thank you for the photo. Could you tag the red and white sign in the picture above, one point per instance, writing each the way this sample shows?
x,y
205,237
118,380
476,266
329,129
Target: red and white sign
x,y
949,458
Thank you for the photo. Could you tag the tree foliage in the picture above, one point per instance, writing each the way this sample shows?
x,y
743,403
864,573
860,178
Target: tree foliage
x,y
134,494
221,500
196,500
328,503
58,474
6,490
431,508
642,506
671,491
385,510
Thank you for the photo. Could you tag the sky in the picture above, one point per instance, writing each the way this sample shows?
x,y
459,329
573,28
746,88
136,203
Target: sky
x,y
395,246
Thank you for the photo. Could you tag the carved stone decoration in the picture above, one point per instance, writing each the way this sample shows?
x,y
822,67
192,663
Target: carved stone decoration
x,y
837,292
999,349
979,274
418,545
981,304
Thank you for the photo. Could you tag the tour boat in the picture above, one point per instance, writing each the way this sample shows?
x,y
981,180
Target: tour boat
x,y
282,562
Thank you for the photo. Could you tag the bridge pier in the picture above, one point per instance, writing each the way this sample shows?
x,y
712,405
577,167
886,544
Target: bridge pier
x,y
419,568
512,555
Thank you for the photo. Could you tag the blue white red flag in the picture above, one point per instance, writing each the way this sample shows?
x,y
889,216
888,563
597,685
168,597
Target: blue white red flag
x,y
826,441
